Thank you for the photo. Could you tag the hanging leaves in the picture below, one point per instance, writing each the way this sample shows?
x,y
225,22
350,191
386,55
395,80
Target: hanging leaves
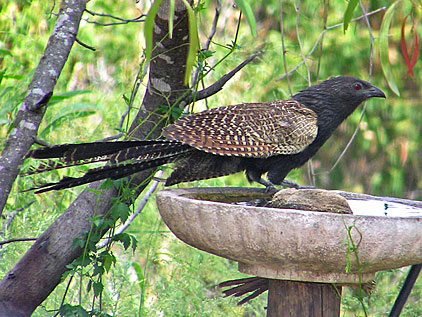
x,y
247,11
193,33
410,63
149,24
383,45
349,14
193,42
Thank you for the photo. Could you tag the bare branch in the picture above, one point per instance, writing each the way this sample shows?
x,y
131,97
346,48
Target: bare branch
x,y
297,8
371,58
283,47
91,48
214,25
138,210
210,37
40,90
371,37
138,81
113,137
322,34
16,240
325,17
121,20
12,216
42,142
218,85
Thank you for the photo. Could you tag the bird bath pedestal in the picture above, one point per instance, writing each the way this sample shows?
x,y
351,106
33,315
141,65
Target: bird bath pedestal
x,y
303,253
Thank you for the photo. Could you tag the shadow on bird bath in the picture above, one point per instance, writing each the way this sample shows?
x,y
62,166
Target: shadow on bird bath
x,y
298,245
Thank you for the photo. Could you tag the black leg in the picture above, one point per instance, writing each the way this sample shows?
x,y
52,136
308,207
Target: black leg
x,y
291,184
269,187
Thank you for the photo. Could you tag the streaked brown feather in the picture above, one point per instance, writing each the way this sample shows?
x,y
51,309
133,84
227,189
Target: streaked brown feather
x,y
257,130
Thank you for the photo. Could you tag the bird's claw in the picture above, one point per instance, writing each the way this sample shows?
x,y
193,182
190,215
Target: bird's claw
x,y
269,188
291,184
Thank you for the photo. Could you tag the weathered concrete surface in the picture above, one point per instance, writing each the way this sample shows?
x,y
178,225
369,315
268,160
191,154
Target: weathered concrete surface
x,y
289,244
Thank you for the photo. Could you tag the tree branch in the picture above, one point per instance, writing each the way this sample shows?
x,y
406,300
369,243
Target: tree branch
x,y
40,90
91,48
21,291
321,36
16,240
371,62
121,20
218,85
133,216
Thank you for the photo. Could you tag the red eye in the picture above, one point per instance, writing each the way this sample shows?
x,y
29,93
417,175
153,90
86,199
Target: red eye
x,y
357,86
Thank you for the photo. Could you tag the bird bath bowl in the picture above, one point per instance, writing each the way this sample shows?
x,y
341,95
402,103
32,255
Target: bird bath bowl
x,y
289,244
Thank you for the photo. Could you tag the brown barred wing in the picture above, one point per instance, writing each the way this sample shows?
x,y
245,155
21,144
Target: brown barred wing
x,y
256,130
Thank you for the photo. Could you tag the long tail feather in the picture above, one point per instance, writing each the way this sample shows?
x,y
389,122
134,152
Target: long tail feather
x,y
93,175
124,158
68,155
84,151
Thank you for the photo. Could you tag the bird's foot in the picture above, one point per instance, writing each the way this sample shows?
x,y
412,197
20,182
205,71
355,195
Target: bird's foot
x,y
269,187
291,184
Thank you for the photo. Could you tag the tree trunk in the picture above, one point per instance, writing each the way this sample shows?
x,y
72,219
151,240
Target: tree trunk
x,y
39,92
39,271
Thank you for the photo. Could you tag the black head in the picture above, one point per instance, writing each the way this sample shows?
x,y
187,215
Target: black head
x,y
340,94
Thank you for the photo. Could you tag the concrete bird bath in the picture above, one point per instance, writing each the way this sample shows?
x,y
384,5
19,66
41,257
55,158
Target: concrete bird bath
x,y
293,245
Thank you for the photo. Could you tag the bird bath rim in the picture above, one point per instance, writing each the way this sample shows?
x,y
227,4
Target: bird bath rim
x,y
290,244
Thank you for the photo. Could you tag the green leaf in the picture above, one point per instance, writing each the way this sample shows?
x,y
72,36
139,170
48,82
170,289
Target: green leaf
x,y
71,112
247,11
5,52
119,210
78,242
56,98
13,76
193,34
98,270
139,274
193,42
98,288
124,238
89,286
134,242
204,54
108,261
171,18
383,48
69,310
349,13
176,113
148,28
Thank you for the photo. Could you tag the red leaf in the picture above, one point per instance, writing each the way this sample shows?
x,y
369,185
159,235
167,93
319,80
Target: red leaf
x,y
404,47
410,64
415,50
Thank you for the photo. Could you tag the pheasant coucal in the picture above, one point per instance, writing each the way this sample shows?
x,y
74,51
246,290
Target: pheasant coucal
x,y
258,138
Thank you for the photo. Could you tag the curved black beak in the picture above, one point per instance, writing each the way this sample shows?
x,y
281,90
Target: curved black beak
x,y
375,92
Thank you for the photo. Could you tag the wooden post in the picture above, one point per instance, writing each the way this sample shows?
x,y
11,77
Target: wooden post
x,y
294,299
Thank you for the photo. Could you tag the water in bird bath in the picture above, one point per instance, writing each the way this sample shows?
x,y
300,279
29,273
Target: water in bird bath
x,y
383,208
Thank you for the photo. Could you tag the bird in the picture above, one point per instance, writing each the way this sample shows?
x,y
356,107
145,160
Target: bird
x,y
269,138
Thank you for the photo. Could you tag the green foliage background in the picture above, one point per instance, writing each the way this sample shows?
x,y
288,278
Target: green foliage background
x,y
164,276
